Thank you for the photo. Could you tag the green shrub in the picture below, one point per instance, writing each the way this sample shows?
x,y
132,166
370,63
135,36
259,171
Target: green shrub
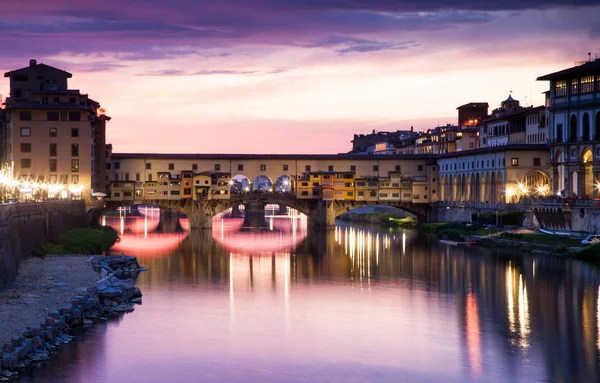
x,y
96,240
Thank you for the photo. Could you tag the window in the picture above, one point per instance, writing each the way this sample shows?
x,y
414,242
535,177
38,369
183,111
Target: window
x,y
586,84
74,150
352,168
240,167
560,88
63,116
514,161
25,163
74,116
64,178
150,177
307,168
416,196
263,167
330,168
52,116
398,167
25,115
575,86
217,167
285,168
52,179
471,145
53,132
75,179
375,168
20,77
74,132
53,164
194,166
25,148
117,165
75,166
304,192
25,132
420,168
137,177
171,166
148,165
56,100
537,162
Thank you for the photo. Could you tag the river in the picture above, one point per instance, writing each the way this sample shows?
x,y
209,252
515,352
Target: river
x,y
357,304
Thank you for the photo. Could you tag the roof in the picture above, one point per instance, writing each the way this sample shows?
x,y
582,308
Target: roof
x,y
474,105
508,116
590,67
510,99
237,156
26,69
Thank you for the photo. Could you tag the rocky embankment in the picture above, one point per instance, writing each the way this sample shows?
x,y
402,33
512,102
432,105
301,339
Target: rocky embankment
x,y
113,295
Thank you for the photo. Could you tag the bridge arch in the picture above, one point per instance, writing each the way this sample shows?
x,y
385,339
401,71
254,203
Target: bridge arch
x,y
262,183
284,184
239,184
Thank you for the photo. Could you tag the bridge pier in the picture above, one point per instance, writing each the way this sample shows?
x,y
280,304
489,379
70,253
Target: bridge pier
x,y
322,214
255,215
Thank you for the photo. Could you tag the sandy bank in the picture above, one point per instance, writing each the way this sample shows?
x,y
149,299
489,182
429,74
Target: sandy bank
x,y
42,285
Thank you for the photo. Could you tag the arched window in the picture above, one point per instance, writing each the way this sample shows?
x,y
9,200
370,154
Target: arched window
x,y
585,125
573,129
597,127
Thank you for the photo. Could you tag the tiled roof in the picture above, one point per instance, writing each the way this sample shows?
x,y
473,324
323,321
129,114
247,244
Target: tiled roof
x,y
474,105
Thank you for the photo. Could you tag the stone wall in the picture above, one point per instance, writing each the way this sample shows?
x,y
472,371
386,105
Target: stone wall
x,y
25,227
451,214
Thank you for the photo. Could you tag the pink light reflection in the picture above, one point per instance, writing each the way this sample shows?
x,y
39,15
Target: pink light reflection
x,y
155,244
287,233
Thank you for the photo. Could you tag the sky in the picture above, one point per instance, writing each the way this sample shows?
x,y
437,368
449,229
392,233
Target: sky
x,y
293,76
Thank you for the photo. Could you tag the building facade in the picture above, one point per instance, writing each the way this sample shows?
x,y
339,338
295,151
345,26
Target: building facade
x,y
52,137
574,128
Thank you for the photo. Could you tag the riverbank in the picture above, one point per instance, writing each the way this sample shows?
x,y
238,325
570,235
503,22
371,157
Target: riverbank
x,y
58,294
383,219
524,240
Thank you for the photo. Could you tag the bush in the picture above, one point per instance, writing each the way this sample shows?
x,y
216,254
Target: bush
x,y
95,240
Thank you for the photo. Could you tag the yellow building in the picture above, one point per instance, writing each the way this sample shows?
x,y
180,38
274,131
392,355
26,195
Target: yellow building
x,y
52,134
202,184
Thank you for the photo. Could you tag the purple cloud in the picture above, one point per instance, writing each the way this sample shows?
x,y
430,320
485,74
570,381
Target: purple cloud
x,y
209,72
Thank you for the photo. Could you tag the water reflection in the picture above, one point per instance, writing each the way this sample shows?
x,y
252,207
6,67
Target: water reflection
x,y
355,304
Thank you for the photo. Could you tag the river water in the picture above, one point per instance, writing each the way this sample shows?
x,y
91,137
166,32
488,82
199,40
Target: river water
x,y
357,304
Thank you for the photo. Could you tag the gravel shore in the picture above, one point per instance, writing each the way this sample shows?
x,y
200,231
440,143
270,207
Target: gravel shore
x,y
42,285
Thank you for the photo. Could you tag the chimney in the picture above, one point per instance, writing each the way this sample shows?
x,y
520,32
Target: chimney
x,y
411,129
32,62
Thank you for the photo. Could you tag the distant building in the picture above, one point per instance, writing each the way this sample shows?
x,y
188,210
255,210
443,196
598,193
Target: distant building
x,y
368,143
574,128
470,114
513,124
52,134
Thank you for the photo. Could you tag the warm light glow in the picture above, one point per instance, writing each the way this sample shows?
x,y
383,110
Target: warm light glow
x,y
473,336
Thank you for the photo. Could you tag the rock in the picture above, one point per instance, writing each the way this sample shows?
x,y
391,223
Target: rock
x,y
110,293
8,347
87,322
9,362
102,284
137,292
137,301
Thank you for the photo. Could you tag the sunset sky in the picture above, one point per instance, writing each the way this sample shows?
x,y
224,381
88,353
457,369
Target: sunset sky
x,y
293,76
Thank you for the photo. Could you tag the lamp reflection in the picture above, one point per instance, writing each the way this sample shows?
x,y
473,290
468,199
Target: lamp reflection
x,y
521,317
473,335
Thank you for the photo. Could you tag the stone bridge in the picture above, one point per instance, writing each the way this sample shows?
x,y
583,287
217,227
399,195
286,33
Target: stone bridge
x,y
320,213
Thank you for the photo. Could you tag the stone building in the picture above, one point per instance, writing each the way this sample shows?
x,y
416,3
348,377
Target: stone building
x,y
574,128
52,134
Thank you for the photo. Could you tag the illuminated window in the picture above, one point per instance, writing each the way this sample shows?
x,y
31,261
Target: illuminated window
x,y
587,84
25,132
575,86
514,161
560,88
263,167
285,168
74,165
217,168
75,179
74,150
53,132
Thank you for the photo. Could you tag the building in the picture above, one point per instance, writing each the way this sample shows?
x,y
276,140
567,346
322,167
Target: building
x,y
574,128
496,174
53,137
470,114
381,142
